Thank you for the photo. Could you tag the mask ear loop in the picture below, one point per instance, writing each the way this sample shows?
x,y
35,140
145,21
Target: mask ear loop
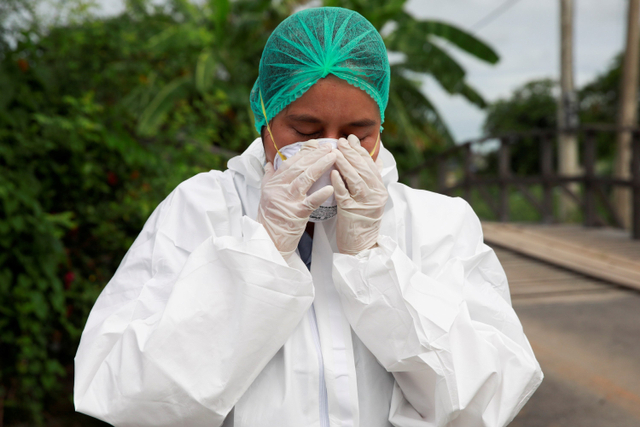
x,y
264,113
375,146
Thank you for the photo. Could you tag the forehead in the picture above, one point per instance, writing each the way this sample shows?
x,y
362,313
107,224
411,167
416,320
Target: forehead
x,y
333,99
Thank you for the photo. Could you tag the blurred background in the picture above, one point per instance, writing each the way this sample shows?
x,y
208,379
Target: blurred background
x,y
527,108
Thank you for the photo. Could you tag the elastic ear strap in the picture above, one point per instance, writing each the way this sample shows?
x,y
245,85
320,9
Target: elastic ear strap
x,y
375,146
264,113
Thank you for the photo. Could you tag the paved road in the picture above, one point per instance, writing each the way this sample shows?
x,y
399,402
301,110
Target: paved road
x,y
586,335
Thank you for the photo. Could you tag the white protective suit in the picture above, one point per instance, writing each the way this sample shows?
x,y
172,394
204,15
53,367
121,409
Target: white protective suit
x,y
204,320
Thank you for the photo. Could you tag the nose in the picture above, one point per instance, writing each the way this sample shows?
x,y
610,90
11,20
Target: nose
x,y
335,134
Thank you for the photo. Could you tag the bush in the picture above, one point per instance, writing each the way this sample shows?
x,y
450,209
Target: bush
x,y
76,185
100,118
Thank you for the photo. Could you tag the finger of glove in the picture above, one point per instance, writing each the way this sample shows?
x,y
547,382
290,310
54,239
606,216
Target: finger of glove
x,y
268,171
372,176
305,160
356,185
268,176
340,190
313,201
354,142
291,161
309,145
379,165
283,232
303,182
366,156
351,153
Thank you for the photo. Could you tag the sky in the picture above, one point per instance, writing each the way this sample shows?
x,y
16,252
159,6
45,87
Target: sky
x,y
526,36
527,39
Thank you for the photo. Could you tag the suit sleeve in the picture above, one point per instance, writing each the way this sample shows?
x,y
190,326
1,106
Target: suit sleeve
x,y
445,329
200,304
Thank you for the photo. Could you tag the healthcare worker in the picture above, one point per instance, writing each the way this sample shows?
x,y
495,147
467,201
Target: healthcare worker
x,y
252,298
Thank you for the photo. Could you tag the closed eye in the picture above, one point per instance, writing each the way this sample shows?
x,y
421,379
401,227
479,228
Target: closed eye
x,y
306,134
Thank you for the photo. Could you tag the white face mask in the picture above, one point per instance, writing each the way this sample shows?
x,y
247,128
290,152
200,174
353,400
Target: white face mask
x,y
329,208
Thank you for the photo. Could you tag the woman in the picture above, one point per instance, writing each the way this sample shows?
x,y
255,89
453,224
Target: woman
x,y
250,300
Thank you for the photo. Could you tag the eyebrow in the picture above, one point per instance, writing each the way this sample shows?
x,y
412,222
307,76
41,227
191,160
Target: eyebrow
x,y
303,118
306,118
363,123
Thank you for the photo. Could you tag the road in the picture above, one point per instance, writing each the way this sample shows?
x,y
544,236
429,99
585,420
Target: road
x,y
586,336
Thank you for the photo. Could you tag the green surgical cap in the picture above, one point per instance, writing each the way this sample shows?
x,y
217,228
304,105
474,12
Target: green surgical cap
x,y
310,45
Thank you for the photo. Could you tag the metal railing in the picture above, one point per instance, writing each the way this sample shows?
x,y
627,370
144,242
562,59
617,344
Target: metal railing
x,y
460,162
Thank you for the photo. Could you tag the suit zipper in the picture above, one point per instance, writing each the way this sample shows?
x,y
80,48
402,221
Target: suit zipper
x,y
323,398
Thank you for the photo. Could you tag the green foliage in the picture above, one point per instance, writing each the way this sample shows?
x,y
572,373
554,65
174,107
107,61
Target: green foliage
x,y
222,42
76,185
599,104
599,99
100,118
532,106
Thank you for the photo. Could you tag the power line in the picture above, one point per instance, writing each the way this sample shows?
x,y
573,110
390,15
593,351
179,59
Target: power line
x,y
493,15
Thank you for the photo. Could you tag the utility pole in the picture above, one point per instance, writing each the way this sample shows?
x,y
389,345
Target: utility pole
x,y
627,112
567,108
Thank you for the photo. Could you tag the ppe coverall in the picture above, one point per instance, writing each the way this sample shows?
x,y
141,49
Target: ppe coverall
x,y
205,324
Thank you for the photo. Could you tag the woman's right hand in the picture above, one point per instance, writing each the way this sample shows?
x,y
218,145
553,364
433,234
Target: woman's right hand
x,y
284,205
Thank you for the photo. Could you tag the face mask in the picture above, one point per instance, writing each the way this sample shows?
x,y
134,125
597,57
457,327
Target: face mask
x,y
329,208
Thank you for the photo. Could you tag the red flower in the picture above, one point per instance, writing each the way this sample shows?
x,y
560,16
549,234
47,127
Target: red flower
x,y
112,178
68,279
23,64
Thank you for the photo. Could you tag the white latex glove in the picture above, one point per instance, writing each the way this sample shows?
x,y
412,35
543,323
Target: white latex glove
x,y
284,205
361,202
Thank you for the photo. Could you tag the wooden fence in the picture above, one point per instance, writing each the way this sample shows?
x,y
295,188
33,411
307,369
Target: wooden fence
x,y
460,162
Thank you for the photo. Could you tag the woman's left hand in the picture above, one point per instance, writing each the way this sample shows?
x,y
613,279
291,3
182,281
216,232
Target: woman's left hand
x,y
361,201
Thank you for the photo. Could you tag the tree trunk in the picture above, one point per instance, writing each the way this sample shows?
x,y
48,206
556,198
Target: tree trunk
x,y
567,109
627,112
